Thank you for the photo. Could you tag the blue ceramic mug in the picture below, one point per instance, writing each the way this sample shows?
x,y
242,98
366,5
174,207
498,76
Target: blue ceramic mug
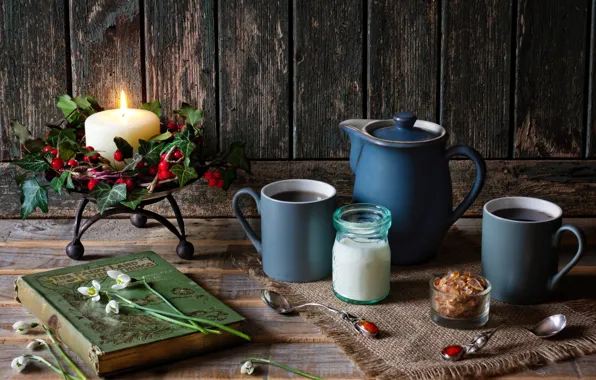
x,y
296,227
520,237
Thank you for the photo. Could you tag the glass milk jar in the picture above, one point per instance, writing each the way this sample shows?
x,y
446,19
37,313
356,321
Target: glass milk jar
x,y
361,254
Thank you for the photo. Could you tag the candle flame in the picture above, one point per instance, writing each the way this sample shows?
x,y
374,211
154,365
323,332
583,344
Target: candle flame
x,y
123,105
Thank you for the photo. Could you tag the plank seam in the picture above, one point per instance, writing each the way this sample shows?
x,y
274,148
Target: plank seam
x,y
512,79
143,50
441,22
291,98
293,79
590,85
365,58
217,77
67,48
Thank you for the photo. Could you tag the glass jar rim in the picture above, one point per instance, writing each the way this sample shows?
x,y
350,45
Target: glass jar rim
x,y
383,214
482,293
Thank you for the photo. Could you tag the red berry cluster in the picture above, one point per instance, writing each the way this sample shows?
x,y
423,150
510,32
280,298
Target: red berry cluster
x,y
175,128
57,163
214,179
93,158
163,168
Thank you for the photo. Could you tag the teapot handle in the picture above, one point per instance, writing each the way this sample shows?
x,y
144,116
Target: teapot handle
x,y
472,154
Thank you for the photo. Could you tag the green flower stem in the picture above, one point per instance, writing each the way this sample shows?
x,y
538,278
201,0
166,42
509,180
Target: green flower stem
x,y
56,360
185,317
63,354
42,360
204,331
276,364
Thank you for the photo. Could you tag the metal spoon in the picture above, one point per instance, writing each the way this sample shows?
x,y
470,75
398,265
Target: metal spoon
x,y
546,328
281,305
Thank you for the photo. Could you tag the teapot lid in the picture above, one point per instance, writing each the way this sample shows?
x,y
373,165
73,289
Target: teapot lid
x,y
404,130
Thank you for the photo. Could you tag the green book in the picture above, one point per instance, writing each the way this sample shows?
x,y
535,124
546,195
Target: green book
x,y
115,342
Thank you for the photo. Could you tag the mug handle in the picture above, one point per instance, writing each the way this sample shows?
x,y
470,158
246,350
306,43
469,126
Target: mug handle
x,y
254,238
474,156
581,241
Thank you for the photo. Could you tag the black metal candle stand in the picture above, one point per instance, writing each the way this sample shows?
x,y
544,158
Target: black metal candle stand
x,y
138,218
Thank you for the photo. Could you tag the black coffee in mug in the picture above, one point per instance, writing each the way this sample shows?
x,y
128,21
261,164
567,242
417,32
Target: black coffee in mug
x,y
522,215
298,196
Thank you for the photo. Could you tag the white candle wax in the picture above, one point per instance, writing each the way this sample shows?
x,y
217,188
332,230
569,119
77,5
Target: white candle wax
x,y
130,124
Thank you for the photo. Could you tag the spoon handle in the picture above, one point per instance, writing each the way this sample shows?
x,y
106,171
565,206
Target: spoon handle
x,y
319,305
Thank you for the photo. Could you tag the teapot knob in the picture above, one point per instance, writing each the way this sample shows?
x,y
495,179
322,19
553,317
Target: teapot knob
x,y
405,120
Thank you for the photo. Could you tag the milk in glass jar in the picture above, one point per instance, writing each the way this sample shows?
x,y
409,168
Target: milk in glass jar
x,y
361,254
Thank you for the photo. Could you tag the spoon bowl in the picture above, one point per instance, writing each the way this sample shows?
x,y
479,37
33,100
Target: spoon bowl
x,y
276,301
549,326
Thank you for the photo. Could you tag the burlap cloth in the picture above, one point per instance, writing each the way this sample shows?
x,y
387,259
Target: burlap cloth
x,y
410,343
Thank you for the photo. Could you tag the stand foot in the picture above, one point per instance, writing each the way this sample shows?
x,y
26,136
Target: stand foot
x,y
185,250
138,220
75,249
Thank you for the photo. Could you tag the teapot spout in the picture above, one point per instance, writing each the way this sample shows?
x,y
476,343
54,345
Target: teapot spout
x,y
354,129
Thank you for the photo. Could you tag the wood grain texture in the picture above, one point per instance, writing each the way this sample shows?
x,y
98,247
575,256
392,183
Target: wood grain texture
x,y
324,360
32,67
402,58
105,39
476,69
571,184
180,58
550,78
286,339
328,71
254,51
591,111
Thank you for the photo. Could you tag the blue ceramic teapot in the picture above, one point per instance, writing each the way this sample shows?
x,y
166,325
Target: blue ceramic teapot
x,y
402,164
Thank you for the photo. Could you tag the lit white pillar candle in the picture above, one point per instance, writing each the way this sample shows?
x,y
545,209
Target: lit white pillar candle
x,y
129,123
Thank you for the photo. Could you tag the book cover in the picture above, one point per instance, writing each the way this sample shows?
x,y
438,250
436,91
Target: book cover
x,y
115,342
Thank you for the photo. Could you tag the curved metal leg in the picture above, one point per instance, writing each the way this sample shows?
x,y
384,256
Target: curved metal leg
x,y
185,249
75,249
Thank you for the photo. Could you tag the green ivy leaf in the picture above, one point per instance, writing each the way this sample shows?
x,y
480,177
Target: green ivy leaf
x,y
236,156
96,107
161,137
123,146
153,106
33,162
33,195
183,141
135,197
108,196
20,131
83,103
57,183
150,150
19,179
58,137
35,146
132,164
183,174
65,152
192,115
229,176
69,109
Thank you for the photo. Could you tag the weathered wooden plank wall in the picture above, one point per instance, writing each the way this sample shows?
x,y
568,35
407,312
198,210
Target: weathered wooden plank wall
x,y
513,78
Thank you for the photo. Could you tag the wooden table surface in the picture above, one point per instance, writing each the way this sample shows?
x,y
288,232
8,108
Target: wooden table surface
x,y
38,245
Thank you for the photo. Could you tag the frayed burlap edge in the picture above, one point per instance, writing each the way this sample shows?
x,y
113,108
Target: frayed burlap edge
x,y
373,366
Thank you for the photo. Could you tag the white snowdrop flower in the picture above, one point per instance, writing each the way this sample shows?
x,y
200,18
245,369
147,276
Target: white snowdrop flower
x,y
122,279
92,292
247,368
35,344
112,307
22,327
19,363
